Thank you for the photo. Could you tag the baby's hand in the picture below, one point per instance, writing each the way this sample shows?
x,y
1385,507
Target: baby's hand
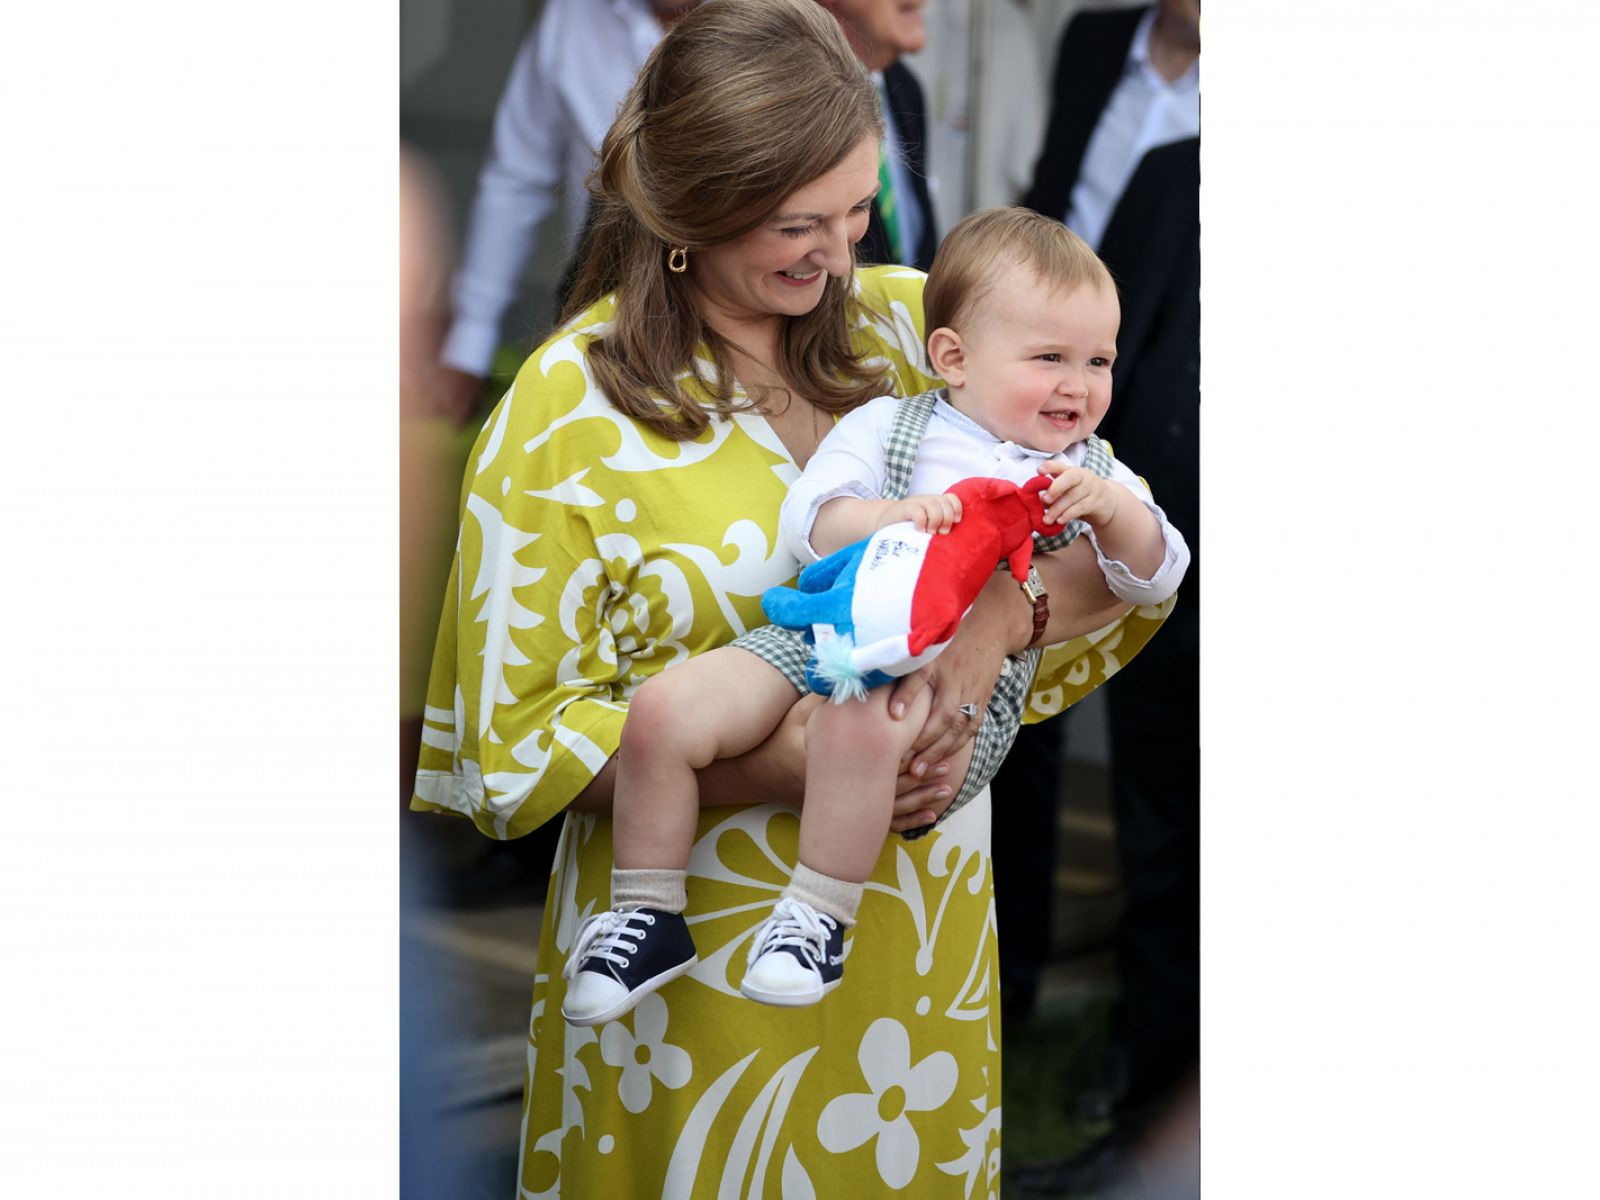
x,y
1078,493
930,514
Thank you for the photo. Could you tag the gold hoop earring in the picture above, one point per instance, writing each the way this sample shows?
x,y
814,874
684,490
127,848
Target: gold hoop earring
x,y
678,260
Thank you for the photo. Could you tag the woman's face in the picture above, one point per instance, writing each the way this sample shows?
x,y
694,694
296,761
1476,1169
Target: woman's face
x,y
779,268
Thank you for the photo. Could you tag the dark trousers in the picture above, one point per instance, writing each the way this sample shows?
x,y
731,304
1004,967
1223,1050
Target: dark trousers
x,y
1023,840
1154,710
1153,707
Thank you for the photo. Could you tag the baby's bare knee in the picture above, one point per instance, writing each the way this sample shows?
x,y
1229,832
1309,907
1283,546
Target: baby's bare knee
x,y
654,714
859,727
666,720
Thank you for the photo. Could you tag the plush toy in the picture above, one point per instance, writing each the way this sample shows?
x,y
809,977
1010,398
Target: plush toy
x,y
882,607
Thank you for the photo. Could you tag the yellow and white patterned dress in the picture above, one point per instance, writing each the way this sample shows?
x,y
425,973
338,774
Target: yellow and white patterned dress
x,y
594,553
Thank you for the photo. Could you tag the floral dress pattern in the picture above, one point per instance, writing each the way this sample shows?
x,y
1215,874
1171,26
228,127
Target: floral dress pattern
x,y
592,554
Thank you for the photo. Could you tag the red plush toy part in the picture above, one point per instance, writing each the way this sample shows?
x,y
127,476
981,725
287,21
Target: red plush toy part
x,y
998,521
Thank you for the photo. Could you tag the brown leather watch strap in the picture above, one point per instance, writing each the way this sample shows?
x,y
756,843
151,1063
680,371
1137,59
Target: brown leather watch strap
x,y
1033,589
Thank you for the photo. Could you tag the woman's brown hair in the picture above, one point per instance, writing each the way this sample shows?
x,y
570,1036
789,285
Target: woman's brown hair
x,y
740,105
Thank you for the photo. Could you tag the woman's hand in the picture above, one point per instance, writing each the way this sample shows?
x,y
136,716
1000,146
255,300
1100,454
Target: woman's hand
x,y
775,773
921,799
1000,623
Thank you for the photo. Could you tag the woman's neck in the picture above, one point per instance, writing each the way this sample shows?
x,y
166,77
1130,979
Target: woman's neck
x,y
753,344
753,348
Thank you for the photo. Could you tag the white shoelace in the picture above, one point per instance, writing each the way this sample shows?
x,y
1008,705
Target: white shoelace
x,y
794,923
603,935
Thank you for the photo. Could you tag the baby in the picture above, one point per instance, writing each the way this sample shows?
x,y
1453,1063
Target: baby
x,y
1023,320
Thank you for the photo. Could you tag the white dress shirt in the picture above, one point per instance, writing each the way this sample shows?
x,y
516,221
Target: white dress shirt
x,y
1144,112
850,462
570,76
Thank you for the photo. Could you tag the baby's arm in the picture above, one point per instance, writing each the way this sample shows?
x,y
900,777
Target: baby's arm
x,y
847,519
1123,527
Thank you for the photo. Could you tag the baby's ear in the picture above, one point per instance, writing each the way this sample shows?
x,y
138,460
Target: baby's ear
x,y
947,356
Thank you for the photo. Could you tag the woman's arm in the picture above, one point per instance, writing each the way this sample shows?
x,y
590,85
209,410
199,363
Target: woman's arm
x,y
1080,601
775,773
1000,624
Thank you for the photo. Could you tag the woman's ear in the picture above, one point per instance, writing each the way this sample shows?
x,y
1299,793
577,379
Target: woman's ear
x,y
947,356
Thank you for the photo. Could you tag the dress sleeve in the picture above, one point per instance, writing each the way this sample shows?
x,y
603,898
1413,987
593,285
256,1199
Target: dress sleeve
x,y
890,330
526,701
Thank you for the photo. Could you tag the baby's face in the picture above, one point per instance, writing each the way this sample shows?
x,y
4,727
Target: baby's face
x,y
1038,362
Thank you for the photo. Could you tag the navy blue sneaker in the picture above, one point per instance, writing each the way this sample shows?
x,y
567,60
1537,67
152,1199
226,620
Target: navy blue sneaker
x,y
621,957
797,956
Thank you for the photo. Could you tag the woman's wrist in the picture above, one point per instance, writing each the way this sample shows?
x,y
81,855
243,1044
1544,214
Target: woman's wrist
x,y
1080,600
1007,613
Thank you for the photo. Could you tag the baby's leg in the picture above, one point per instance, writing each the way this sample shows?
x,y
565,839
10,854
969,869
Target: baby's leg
x,y
852,757
717,705
853,753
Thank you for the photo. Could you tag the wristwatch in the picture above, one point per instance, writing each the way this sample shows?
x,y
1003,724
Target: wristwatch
x,y
1033,588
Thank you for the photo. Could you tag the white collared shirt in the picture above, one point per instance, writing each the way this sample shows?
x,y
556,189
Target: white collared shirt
x,y
570,76
851,462
1144,112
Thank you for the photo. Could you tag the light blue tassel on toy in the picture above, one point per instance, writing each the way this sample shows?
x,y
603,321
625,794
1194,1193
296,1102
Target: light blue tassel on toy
x,y
833,662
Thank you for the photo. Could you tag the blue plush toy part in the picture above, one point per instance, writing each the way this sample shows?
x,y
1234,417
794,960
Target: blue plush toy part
x,y
822,603
824,609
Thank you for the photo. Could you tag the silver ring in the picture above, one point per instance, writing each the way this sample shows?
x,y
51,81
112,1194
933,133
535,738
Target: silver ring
x,y
969,711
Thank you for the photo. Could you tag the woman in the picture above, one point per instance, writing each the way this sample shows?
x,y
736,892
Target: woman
x,y
621,515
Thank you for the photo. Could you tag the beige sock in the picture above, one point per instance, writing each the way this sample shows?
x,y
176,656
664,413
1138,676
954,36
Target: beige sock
x,y
649,887
836,897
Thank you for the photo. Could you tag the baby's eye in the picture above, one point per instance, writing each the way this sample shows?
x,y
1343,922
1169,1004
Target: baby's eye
x,y
1053,358
797,231
1099,361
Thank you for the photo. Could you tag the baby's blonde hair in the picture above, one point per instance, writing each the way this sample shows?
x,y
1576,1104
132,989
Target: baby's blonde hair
x,y
982,247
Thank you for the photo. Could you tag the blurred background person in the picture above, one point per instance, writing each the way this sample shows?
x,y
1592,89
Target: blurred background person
x,y
1121,167
901,226
428,1169
429,470
571,72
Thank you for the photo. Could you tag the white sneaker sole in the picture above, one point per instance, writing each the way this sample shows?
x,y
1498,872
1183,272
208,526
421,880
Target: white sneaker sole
x,y
787,999
623,1006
